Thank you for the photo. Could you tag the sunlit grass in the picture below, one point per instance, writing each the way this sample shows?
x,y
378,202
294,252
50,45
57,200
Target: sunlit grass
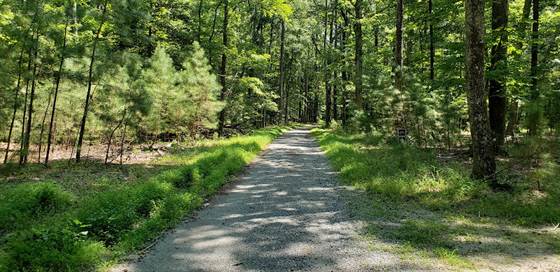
x,y
417,204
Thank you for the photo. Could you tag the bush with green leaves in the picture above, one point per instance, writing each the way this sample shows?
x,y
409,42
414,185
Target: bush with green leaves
x,y
31,201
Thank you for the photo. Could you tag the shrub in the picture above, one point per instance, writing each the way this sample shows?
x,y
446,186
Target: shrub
x,y
109,215
61,247
31,201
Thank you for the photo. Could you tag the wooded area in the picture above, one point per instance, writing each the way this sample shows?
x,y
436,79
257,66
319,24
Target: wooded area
x,y
146,71
92,84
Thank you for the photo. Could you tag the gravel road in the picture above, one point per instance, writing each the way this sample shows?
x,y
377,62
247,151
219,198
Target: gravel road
x,y
286,213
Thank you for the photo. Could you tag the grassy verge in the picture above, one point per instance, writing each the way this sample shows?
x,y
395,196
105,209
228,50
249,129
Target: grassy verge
x,y
85,222
422,206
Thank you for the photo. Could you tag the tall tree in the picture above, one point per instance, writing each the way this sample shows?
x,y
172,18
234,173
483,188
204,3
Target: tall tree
x,y
24,149
90,80
535,111
328,94
56,89
282,80
15,107
399,47
497,90
432,45
359,44
223,67
484,161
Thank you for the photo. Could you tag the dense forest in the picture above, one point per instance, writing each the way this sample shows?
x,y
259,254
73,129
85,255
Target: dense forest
x,y
122,72
75,71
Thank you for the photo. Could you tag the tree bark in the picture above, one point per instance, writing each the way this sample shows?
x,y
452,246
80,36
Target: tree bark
x,y
223,68
90,82
358,76
484,161
497,97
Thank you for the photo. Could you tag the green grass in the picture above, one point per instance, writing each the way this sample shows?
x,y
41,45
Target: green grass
x,y
87,224
413,200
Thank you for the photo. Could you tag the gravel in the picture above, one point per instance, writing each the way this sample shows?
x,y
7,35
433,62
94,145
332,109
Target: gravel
x,y
286,213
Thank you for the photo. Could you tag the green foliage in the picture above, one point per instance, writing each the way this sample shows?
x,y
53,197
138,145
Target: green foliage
x,y
28,202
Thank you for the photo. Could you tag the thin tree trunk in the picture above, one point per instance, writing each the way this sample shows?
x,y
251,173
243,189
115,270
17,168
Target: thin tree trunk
x,y
328,95
123,137
432,46
399,47
111,137
358,81
223,68
282,83
14,112
43,126
56,89
27,136
90,82
484,161
535,94
497,97
513,119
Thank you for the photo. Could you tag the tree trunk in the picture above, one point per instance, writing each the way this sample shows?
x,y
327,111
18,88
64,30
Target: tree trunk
x,y
497,97
27,136
328,94
432,46
90,82
484,161
282,83
15,107
56,89
513,119
111,137
535,94
123,137
358,54
223,68
399,47
43,126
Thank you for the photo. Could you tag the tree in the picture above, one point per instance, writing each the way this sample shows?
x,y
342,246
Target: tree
x,y
358,73
56,90
484,161
535,113
497,84
202,91
223,67
90,80
282,82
